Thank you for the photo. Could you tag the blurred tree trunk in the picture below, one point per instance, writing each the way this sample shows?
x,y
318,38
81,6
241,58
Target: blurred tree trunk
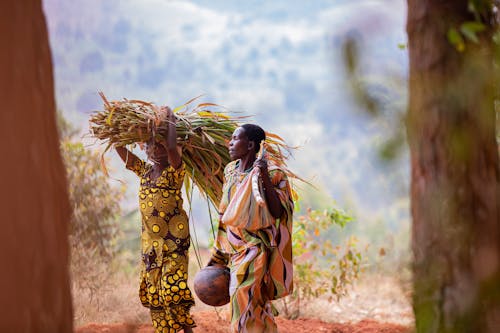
x,y
34,206
455,172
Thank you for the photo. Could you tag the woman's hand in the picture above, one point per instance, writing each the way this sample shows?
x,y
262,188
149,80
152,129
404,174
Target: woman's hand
x,y
261,163
272,199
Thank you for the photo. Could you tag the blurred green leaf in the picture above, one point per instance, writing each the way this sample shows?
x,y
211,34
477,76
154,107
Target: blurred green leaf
x,y
470,30
496,37
455,38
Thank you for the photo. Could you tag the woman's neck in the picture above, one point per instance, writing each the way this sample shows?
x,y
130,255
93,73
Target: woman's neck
x,y
246,163
160,165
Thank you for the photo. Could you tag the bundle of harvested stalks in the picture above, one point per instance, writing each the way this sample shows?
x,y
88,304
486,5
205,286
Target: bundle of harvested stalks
x,y
202,133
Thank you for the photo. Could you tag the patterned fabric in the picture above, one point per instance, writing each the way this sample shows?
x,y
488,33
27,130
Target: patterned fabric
x,y
258,247
251,310
165,244
170,321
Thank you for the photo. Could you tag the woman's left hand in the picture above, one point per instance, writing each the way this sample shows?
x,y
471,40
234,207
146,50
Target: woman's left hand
x,y
261,163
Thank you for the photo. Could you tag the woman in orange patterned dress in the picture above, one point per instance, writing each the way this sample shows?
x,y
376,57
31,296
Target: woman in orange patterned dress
x,y
254,240
165,232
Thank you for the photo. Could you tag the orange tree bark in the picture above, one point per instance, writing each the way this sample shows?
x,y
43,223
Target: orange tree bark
x,y
455,172
34,206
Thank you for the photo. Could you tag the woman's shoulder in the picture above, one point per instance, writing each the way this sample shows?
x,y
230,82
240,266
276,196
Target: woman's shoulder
x,y
140,167
230,167
180,170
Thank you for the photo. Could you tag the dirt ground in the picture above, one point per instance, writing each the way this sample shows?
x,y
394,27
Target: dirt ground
x,y
375,304
212,322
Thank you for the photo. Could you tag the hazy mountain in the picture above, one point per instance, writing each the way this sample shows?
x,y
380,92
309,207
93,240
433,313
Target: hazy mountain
x,y
277,60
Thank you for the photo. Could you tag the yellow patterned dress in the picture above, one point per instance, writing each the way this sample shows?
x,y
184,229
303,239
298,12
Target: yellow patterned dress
x,y
165,244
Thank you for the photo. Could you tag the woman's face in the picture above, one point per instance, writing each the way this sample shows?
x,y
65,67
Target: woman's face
x,y
156,151
239,144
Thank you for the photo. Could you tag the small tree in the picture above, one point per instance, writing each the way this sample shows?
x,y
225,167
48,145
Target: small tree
x,y
320,267
95,205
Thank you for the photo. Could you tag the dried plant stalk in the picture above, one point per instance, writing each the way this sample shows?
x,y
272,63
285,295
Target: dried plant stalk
x,y
203,132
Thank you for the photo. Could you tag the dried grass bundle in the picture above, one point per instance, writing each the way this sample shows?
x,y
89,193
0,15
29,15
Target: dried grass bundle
x,y
203,130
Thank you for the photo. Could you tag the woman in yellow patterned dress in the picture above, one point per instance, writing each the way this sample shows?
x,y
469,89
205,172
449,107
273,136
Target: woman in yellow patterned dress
x,y
165,232
254,240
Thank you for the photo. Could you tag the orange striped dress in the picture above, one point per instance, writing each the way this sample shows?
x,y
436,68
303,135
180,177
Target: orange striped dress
x,y
257,247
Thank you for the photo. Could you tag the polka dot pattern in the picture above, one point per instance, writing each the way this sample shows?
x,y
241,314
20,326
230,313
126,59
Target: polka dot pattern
x,y
171,321
178,227
165,244
164,222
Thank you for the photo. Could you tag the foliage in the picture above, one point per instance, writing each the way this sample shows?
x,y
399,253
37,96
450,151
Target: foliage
x,y
95,205
466,31
95,202
483,13
320,267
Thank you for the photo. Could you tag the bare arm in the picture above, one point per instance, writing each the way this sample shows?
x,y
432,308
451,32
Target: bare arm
x,y
174,157
272,198
127,157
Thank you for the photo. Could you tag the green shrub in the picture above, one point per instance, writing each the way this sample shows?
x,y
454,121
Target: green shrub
x,y
321,267
95,207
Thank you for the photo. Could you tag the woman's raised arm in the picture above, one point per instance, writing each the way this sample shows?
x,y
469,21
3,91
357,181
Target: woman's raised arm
x,y
174,157
127,157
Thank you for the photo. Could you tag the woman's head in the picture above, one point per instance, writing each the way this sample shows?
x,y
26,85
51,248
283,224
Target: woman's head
x,y
156,151
246,140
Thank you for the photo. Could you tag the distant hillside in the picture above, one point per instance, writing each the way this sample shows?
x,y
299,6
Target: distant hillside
x,y
277,60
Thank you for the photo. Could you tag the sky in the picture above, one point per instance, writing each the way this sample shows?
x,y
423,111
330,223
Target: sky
x,y
279,61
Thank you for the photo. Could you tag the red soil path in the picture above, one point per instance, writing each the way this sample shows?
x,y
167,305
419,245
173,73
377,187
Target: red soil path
x,y
208,322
